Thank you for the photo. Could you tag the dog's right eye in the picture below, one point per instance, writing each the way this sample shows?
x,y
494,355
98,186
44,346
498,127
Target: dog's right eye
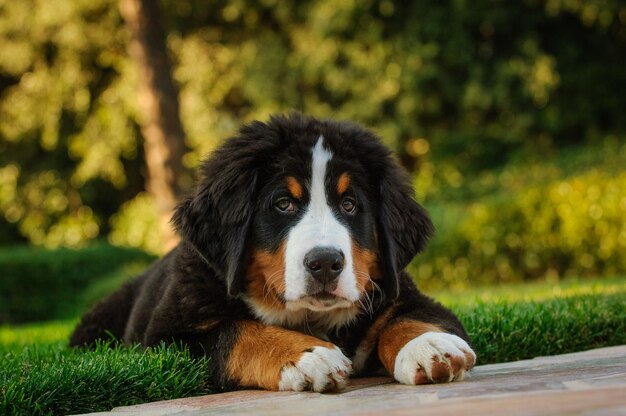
x,y
285,205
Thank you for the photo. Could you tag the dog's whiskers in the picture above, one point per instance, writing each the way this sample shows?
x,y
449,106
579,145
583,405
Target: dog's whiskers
x,y
267,287
369,297
307,328
366,307
375,286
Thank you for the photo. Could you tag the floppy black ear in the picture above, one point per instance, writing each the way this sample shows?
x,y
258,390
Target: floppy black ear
x,y
404,227
216,219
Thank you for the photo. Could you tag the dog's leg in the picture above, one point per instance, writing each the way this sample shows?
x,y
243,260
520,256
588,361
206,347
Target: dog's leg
x,y
252,354
107,320
421,341
416,352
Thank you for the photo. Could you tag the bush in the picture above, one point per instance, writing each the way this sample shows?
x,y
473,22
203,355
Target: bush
x,y
466,80
562,228
39,284
137,224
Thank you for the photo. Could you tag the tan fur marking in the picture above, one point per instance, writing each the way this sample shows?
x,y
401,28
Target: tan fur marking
x,y
365,268
370,339
421,377
440,370
457,362
266,277
374,330
343,183
261,351
396,336
294,187
207,325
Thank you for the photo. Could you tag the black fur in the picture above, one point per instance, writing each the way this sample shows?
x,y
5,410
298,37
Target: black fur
x,y
202,280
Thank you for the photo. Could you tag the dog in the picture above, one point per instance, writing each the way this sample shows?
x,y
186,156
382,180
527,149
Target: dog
x,y
290,270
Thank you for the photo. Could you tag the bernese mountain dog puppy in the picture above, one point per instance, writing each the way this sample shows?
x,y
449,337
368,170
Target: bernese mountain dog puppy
x,y
289,274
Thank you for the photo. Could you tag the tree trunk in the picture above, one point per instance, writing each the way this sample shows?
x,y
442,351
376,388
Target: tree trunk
x,y
161,128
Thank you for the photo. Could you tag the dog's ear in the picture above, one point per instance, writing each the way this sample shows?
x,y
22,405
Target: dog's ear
x,y
216,219
404,226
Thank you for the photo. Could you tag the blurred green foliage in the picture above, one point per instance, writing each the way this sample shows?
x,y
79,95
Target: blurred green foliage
x,y
137,225
467,93
40,285
545,221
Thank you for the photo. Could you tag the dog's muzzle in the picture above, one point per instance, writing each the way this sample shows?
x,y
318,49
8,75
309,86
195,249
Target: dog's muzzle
x,y
324,265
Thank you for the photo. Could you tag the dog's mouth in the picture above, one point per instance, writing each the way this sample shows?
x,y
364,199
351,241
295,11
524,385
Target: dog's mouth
x,y
320,301
325,298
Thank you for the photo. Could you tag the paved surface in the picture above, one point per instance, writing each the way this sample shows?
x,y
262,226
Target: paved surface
x,y
588,383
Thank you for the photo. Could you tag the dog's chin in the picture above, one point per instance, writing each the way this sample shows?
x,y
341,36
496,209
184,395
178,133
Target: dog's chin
x,y
319,303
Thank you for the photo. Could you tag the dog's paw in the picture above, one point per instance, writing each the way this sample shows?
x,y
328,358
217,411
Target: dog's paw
x,y
433,357
319,369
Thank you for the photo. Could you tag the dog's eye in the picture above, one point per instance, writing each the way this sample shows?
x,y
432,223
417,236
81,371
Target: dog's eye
x,y
285,205
348,205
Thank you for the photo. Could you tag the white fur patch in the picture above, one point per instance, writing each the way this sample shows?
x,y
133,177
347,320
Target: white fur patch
x,y
318,227
319,370
420,351
300,318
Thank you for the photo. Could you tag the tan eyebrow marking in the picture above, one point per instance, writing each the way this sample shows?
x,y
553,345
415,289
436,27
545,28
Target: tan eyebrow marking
x,y
343,183
294,187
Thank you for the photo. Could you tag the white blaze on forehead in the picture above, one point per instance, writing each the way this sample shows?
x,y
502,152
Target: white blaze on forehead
x,y
318,227
318,205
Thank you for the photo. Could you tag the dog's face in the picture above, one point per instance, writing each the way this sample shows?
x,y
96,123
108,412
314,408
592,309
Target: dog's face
x,y
314,232
303,215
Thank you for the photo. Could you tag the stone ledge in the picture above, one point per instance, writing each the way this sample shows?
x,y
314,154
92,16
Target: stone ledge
x,y
591,382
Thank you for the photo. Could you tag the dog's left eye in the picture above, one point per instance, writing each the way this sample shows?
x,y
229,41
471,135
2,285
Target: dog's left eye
x,y
285,205
348,205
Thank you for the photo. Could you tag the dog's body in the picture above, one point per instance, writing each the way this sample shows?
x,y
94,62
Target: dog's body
x,y
289,274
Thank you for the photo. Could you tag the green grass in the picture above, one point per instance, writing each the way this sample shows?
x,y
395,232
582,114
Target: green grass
x,y
509,331
519,321
40,375
51,379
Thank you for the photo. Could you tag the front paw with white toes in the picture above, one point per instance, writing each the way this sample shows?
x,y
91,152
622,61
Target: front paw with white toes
x,y
318,369
433,357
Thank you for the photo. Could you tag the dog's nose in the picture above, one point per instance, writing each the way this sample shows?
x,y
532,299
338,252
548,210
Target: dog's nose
x,y
324,263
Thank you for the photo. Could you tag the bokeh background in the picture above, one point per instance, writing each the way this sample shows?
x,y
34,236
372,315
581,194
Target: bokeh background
x,y
510,117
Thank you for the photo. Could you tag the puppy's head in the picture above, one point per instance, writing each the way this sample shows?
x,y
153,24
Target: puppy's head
x,y
300,214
